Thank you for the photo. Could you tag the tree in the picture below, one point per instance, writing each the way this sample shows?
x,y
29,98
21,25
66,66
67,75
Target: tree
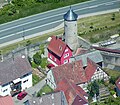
x,y
93,88
112,80
37,58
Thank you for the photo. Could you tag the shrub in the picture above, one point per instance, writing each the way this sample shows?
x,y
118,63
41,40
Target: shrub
x,y
37,58
35,79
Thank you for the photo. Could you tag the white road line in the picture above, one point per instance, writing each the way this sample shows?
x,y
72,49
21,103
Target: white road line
x,y
30,29
48,12
56,15
109,3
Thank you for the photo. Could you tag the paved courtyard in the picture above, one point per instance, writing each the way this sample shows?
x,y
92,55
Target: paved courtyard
x,y
31,92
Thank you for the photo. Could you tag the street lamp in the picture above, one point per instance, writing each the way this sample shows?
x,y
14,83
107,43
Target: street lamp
x,y
23,34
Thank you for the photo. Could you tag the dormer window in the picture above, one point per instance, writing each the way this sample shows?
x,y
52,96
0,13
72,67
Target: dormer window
x,y
60,47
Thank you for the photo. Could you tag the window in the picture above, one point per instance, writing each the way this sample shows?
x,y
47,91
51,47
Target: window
x,y
65,61
5,90
50,57
60,47
55,59
25,81
66,55
66,49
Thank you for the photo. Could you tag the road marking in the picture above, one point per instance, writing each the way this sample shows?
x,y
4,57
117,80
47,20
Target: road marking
x,y
109,3
55,16
48,12
30,29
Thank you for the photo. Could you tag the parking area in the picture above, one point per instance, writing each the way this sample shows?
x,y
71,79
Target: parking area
x,y
32,91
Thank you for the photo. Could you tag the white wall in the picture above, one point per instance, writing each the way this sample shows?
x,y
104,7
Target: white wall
x,y
26,82
99,74
50,80
5,90
71,38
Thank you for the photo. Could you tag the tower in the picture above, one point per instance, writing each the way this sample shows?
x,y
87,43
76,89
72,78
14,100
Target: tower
x,y
70,29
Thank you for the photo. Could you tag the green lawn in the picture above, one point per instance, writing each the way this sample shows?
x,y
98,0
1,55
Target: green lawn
x,y
109,101
35,79
98,28
46,89
112,73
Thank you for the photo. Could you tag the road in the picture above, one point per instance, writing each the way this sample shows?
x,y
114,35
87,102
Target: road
x,y
33,25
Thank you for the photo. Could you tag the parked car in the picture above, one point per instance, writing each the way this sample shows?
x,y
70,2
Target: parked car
x,y
21,95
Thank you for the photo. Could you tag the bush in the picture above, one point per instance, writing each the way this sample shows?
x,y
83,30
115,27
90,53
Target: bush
x,y
37,58
35,79
44,62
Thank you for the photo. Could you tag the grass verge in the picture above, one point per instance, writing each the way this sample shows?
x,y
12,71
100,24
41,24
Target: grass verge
x,y
93,29
46,89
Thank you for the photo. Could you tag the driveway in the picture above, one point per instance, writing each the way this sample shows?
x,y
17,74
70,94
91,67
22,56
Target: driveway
x,y
31,93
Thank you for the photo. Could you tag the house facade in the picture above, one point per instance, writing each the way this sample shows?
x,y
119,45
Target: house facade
x,y
118,86
15,76
58,52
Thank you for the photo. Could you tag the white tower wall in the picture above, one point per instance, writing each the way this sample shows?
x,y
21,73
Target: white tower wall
x,y
71,38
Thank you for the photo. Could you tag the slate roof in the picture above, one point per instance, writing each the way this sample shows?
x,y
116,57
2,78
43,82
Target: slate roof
x,y
57,46
12,69
71,91
72,71
49,99
94,55
7,100
70,15
118,83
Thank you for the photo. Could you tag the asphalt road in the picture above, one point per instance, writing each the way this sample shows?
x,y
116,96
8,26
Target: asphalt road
x,y
29,26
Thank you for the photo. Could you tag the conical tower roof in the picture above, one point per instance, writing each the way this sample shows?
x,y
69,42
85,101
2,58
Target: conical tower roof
x,y
70,15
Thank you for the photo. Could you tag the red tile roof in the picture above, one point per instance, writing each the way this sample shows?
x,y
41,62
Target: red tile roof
x,y
72,71
79,101
90,69
7,100
57,46
118,83
71,91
